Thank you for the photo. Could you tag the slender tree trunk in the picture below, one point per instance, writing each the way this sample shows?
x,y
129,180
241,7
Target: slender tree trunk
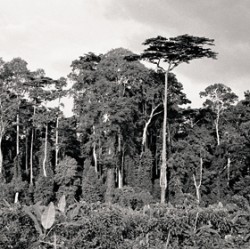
x,y
26,152
169,139
120,166
94,152
57,142
99,155
198,186
31,150
57,134
31,156
218,143
95,157
228,170
145,129
17,144
16,197
163,173
217,127
45,151
1,156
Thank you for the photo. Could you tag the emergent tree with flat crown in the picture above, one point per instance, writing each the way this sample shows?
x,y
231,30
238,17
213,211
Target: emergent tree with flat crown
x,y
173,52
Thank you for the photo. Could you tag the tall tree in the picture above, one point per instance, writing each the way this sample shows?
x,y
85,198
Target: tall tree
x,y
59,94
106,99
43,117
8,105
219,97
18,76
173,52
239,146
37,94
189,160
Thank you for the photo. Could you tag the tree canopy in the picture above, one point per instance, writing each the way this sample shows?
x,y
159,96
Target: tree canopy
x,y
133,167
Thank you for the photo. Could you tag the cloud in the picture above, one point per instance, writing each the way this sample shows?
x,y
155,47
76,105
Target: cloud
x,y
226,21
50,34
47,32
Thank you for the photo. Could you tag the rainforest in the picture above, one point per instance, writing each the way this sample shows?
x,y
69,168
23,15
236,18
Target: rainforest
x,y
135,166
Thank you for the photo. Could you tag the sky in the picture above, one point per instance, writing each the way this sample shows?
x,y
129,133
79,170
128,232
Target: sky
x,y
50,34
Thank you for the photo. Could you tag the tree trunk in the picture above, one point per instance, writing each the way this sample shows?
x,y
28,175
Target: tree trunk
x,y
120,166
1,157
122,163
26,152
94,152
169,139
228,170
31,156
99,155
120,178
16,197
145,129
31,150
217,127
57,142
95,157
163,172
17,145
198,186
45,151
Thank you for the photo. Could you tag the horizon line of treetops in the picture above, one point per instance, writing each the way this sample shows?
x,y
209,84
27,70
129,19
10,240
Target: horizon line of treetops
x,y
128,130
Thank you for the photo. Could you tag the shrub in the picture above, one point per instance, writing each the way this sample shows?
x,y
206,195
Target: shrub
x,y
44,190
92,187
16,229
129,197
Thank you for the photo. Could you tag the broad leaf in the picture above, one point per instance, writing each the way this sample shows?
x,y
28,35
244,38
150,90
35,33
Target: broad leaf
x,y
62,204
48,216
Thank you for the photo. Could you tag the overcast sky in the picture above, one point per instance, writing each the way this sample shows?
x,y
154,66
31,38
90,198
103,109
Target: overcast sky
x,y
49,34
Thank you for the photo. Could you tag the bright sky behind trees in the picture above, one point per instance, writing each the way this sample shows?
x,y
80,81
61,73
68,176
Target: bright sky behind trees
x,y
50,34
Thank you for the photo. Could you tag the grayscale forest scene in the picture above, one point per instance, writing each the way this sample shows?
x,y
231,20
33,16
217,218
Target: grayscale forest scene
x,y
124,124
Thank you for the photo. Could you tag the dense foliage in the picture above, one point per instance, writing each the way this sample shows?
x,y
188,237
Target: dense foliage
x,y
93,180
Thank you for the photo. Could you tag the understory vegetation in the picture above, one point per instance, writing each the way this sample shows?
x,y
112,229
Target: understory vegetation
x,y
134,167
98,225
